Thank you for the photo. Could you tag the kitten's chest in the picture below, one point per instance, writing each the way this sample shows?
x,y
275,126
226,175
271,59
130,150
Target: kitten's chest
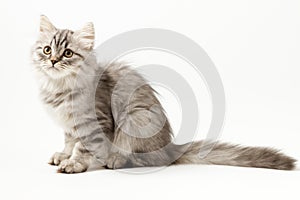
x,y
59,107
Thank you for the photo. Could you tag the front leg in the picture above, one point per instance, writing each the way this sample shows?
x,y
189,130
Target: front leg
x,y
81,160
90,127
58,157
91,151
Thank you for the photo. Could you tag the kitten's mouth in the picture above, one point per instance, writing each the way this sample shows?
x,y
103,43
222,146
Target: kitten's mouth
x,y
52,68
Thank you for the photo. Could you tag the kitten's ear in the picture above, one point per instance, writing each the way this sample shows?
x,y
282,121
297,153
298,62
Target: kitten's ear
x,y
86,36
46,25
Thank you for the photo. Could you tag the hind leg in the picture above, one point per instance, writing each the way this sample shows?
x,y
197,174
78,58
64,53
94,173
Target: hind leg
x,y
120,151
130,151
140,130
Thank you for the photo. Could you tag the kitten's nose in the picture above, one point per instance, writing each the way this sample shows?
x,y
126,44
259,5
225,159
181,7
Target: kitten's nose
x,y
53,61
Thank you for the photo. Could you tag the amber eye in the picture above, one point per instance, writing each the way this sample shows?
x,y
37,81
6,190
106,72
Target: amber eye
x,y
68,53
47,50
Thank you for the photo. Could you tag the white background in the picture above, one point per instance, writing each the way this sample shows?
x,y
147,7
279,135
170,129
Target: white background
x,y
255,45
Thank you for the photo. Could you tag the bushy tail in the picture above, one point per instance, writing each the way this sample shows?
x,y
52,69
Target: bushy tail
x,y
235,155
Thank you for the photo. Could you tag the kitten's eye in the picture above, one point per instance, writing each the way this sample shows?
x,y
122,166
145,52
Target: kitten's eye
x,y
68,53
47,50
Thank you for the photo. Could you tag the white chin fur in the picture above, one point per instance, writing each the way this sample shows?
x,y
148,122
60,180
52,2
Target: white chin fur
x,y
55,72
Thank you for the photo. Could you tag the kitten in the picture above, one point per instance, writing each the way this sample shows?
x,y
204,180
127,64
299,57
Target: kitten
x,y
105,122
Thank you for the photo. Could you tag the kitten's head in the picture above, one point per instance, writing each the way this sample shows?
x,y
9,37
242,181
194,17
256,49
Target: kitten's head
x,y
60,52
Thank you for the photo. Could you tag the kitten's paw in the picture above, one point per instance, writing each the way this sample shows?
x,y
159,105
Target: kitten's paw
x,y
116,161
58,157
72,166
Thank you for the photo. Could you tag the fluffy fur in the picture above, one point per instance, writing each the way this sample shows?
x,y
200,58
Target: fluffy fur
x,y
106,118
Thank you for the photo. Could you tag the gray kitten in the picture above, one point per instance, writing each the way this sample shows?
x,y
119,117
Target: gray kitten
x,y
111,116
